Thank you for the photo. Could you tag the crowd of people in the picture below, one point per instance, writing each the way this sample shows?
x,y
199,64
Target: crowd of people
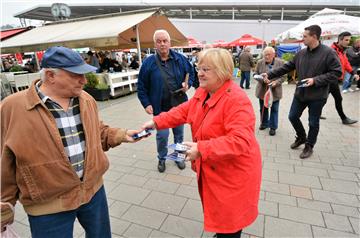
x,y
70,138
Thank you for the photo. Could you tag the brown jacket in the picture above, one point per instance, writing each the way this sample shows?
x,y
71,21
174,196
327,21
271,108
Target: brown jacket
x,y
246,61
261,87
34,166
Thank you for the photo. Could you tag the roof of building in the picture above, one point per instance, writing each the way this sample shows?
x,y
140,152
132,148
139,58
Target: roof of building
x,y
250,10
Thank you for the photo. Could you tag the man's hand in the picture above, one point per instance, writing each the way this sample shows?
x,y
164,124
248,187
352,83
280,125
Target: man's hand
x,y
308,82
129,134
193,153
149,110
185,87
265,76
7,215
356,77
273,84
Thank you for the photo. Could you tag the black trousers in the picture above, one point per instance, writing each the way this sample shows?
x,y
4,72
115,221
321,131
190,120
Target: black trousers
x,y
335,92
229,235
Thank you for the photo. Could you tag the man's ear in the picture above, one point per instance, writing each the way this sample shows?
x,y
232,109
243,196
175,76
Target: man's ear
x,y
50,76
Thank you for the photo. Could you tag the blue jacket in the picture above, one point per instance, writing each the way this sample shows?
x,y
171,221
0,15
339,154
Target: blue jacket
x,y
150,84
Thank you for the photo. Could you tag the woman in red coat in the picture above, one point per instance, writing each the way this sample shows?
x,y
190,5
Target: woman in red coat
x,y
224,152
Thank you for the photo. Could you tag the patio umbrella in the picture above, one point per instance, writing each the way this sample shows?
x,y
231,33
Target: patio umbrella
x,y
194,43
220,43
331,21
246,40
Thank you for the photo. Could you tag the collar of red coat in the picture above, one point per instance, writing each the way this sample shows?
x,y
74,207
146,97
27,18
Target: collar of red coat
x,y
336,47
202,93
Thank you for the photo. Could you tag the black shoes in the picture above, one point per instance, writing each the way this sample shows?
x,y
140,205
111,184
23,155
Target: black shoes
x,y
272,132
161,165
307,152
262,127
180,164
299,141
348,121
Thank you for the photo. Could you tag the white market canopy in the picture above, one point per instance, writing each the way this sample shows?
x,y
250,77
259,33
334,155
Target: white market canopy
x,y
110,31
331,21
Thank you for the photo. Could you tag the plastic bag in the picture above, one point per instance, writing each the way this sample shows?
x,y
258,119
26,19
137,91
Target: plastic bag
x,y
9,229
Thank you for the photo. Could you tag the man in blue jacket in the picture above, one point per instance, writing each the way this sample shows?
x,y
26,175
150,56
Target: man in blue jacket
x,y
160,76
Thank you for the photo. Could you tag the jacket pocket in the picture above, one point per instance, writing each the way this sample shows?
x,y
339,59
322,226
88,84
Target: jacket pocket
x,y
46,181
97,164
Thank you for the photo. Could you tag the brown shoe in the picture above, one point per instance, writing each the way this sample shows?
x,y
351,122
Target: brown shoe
x,y
299,141
307,152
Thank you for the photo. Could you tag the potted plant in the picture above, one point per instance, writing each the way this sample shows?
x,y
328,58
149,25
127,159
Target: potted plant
x,y
291,75
99,91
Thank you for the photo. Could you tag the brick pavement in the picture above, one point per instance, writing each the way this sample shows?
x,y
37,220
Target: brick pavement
x,y
317,197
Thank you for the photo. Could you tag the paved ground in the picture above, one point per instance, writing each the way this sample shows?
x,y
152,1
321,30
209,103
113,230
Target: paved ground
x,y
317,197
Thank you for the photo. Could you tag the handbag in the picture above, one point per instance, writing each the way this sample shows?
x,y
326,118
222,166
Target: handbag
x,y
176,97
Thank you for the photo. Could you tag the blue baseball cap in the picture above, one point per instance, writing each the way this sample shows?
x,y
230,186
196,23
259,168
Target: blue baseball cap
x,y
60,57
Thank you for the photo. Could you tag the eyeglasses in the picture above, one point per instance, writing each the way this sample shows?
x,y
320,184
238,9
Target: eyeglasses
x,y
204,69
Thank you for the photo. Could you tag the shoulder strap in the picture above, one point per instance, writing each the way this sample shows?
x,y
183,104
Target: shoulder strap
x,y
161,71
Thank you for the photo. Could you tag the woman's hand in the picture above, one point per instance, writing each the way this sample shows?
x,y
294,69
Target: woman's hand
x,y
192,153
149,125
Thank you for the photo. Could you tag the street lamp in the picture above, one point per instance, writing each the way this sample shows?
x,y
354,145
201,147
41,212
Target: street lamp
x,y
263,31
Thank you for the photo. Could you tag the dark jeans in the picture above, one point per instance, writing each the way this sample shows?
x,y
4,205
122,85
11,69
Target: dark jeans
x,y
162,137
274,114
93,217
335,92
229,235
245,76
315,108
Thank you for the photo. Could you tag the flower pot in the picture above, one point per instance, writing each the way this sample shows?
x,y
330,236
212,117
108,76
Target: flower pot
x,y
98,94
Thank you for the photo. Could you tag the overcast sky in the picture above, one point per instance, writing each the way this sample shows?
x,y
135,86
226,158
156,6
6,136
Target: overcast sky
x,y
9,8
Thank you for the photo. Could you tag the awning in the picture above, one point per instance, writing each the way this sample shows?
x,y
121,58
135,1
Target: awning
x,y
5,34
111,31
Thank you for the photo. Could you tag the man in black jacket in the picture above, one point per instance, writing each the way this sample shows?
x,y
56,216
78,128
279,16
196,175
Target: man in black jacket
x,y
317,66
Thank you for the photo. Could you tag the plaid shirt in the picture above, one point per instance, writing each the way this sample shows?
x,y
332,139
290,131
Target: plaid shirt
x,y
70,129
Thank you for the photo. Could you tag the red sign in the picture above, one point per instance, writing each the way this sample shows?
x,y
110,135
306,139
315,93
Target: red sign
x,y
19,58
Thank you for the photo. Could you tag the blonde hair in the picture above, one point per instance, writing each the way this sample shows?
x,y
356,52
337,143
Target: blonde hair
x,y
219,59
269,49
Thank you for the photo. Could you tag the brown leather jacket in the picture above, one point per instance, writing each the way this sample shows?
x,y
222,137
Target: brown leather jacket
x,y
261,86
34,166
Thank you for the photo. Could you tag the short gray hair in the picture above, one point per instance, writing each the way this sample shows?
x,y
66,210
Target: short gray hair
x,y
43,73
161,31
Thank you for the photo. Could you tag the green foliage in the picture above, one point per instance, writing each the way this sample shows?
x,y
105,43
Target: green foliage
x,y
102,86
16,68
92,80
288,56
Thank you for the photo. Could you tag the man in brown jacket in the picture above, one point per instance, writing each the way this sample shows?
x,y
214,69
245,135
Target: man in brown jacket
x,y
52,149
263,66
246,62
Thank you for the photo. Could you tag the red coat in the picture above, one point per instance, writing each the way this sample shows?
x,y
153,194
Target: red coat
x,y
229,170
345,64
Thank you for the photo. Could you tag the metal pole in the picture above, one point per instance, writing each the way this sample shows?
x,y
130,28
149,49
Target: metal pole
x,y
138,43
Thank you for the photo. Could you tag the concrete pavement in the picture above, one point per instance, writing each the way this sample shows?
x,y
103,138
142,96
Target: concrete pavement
x,y
316,197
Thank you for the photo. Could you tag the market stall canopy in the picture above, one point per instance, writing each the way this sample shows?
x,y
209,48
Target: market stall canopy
x,y
5,34
331,21
246,40
110,31
194,43
220,43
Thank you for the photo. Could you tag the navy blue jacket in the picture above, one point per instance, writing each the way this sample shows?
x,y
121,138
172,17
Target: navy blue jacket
x,y
150,84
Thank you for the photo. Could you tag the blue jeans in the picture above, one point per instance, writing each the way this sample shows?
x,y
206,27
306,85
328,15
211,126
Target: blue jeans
x,y
347,79
162,137
274,114
93,217
245,76
315,108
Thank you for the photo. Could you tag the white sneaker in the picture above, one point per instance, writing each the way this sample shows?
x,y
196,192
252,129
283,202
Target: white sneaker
x,y
357,89
345,91
350,90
